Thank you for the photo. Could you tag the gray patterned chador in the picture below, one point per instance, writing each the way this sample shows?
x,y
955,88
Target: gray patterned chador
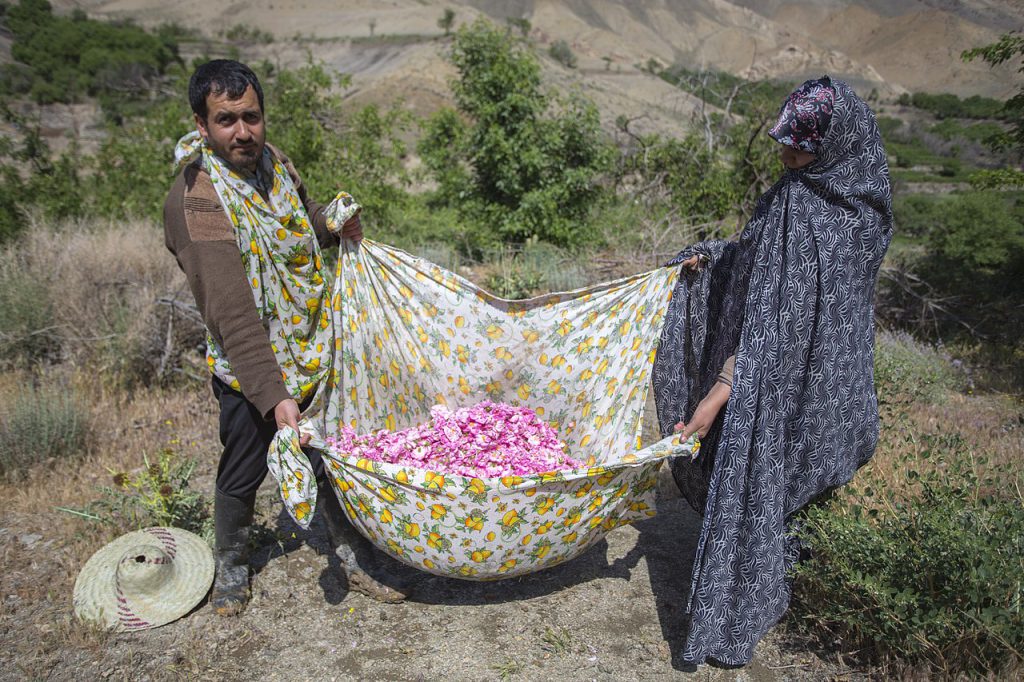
x,y
791,301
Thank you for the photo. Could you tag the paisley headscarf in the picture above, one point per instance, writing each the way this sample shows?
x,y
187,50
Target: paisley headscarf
x,y
792,299
805,116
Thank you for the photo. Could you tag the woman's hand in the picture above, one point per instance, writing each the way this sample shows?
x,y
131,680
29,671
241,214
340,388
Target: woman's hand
x,y
706,413
692,263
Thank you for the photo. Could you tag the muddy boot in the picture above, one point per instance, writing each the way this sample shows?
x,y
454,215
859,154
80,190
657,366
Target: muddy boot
x,y
232,518
356,553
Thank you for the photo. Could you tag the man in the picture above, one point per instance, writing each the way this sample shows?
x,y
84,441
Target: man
x,y
248,238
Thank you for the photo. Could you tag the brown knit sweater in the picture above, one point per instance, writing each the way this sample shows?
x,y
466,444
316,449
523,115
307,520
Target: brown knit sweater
x,y
199,233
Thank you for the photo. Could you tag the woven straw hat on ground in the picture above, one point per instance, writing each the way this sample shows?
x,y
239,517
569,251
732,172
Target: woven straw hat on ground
x,y
144,579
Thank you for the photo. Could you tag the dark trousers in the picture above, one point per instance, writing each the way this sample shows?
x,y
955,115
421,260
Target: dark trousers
x,y
246,437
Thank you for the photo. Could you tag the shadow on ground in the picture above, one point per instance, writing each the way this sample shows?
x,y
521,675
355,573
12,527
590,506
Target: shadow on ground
x,y
666,543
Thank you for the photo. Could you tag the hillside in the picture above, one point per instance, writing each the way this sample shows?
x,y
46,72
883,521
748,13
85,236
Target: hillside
x,y
396,48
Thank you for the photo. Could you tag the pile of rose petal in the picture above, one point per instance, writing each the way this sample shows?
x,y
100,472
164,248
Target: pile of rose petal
x,y
486,440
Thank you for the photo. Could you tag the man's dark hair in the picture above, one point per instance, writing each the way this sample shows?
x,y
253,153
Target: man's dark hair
x,y
221,76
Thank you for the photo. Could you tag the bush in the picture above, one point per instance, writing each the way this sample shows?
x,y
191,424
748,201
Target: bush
x,y
907,370
562,53
946,105
931,577
100,296
27,333
39,424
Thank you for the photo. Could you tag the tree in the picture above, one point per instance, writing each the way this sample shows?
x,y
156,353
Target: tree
x,y
447,20
515,157
1010,46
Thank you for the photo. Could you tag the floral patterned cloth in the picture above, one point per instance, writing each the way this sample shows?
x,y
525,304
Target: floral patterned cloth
x,y
283,265
411,336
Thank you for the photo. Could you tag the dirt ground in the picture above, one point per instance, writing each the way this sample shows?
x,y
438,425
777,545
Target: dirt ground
x,y
615,613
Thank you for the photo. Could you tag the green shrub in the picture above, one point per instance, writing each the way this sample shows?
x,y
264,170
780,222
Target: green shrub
x,y
158,494
511,278
27,333
946,105
933,577
39,424
907,370
70,57
562,53
722,89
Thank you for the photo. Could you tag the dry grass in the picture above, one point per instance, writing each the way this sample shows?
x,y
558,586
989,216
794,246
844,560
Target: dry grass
x,y
924,437
42,549
115,301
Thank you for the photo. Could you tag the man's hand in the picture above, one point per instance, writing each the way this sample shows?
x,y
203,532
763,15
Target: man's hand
x,y
352,229
287,414
706,413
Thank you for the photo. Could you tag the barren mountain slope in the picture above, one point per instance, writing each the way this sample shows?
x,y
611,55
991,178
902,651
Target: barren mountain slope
x,y
890,46
911,43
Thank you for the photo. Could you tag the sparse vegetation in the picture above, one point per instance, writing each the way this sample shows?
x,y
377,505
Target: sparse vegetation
x,y
563,54
44,424
919,562
157,494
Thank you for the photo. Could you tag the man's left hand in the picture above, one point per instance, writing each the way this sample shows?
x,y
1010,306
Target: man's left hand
x,y
352,229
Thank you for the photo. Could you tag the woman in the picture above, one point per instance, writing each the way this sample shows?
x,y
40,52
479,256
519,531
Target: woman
x,y
790,306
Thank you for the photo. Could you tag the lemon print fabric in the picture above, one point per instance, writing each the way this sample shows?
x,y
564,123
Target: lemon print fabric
x,y
283,266
411,335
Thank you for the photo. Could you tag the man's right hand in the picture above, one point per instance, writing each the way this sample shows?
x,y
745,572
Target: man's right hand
x,y
287,414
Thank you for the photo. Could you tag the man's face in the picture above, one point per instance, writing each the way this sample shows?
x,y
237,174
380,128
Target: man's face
x,y
234,128
795,159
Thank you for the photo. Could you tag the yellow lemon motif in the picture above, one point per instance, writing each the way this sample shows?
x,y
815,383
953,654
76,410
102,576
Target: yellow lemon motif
x,y
302,510
412,530
438,511
385,516
480,555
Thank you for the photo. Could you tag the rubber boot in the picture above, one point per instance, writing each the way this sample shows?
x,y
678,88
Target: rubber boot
x,y
357,554
232,518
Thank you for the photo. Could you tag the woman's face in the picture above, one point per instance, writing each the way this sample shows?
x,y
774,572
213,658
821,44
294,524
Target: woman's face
x,y
795,159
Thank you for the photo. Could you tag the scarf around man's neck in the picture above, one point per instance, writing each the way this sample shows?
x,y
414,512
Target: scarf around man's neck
x,y
283,266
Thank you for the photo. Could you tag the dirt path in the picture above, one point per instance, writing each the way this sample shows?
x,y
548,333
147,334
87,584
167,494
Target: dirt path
x,y
612,614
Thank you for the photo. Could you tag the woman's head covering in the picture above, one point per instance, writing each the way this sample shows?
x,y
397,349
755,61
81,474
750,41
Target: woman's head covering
x,y
792,299
805,116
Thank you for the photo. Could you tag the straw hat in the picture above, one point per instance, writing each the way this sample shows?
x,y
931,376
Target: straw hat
x,y
144,579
